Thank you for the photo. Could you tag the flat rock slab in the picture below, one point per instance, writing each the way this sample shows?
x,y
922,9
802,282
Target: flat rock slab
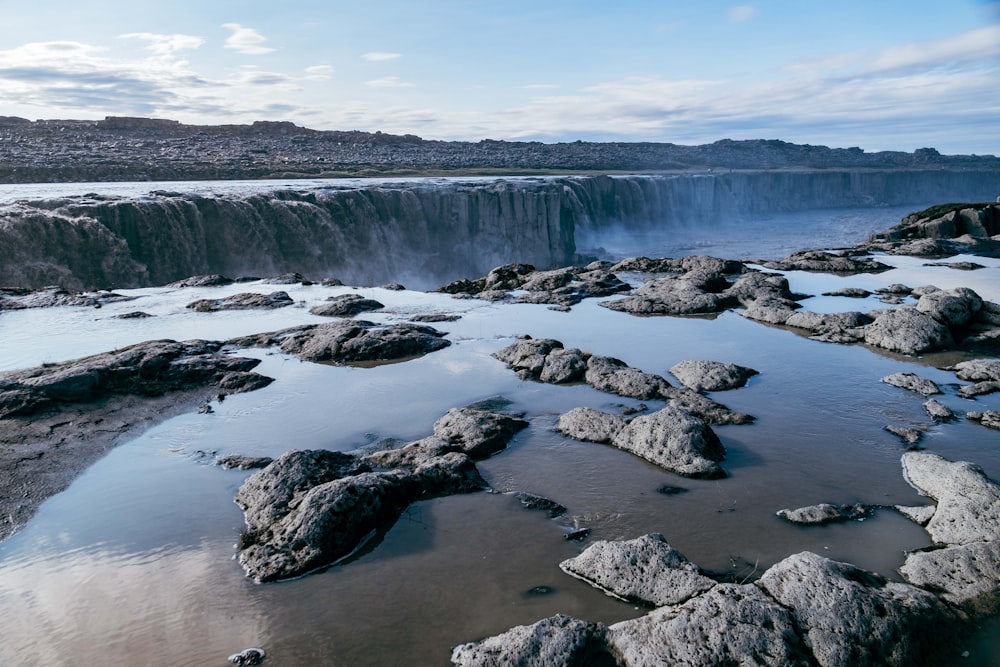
x,y
557,641
967,575
978,370
711,375
912,382
909,331
728,625
590,425
849,616
346,305
243,301
968,502
646,570
824,513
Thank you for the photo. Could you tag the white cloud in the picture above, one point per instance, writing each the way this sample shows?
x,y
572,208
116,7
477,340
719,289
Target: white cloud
x,y
541,86
318,72
389,82
245,40
379,56
163,45
741,13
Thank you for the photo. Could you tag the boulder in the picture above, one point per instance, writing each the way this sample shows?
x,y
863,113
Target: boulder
x,y
907,330
212,280
477,433
616,377
674,440
346,305
539,503
849,616
954,307
243,301
562,366
770,310
757,286
850,292
826,262
711,375
560,641
645,570
527,355
978,370
966,575
730,624
912,382
590,425
979,389
703,407
824,513
910,436
938,410
351,341
968,502
988,418
668,296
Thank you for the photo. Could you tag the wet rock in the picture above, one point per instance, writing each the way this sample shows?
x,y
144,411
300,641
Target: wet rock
x,y
910,436
562,366
908,330
988,418
527,355
770,310
954,307
212,280
728,625
616,377
540,503
703,407
968,502
711,375
849,616
394,287
826,262
938,411
646,570
477,433
577,535
559,640
310,509
243,301
824,513
238,382
757,286
850,292
346,305
350,341
674,440
288,279
977,370
151,368
239,462
590,425
248,657
979,389
430,318
912,382
668,296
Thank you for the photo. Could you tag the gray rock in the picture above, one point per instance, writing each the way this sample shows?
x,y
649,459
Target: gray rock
x,y
346,305
850,292
616,377
238,382
527,355
248,657
212,280
351,341
826,262
236,461
988,418
910,436
668,296
711,375
938,410
979,389
853,617
919,514
590,425
758,286
559,641
540,503
907,330
968,502
825,513
978,370
967,576
770,310
675,440
477,433
728,625
243,301
646,570
703,407
954,307
912,382
562,366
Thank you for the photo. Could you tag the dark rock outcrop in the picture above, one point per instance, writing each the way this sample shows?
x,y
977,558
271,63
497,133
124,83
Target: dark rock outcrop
x,y
346,305
824,513
243,301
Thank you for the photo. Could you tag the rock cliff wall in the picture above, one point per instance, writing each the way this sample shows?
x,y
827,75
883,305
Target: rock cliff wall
x,y
421,233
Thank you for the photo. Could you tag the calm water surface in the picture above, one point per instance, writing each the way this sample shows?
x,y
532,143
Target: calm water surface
x,y
133,564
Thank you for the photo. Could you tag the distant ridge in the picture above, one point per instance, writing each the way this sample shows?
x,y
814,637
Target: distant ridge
x,y
140,149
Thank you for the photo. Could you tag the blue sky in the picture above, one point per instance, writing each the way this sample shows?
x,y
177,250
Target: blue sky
x,y
882,75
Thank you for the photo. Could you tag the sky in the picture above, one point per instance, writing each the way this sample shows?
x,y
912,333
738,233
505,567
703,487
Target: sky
x,y
880,75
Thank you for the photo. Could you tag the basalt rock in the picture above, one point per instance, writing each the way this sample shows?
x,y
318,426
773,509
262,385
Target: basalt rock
x,y
243,301
674,440
824,513
909,331
346,305
711,375
912,382
616,377
826,262
557,641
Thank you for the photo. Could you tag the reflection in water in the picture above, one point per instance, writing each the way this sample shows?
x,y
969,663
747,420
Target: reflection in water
x,y
133,563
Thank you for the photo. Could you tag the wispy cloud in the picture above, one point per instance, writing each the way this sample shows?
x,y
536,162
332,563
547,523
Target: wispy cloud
x,y
541,86
165,45
741,13
245,40
389,82
379,56
318,72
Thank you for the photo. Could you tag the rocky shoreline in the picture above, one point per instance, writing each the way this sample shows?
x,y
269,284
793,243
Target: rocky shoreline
x,y
312,509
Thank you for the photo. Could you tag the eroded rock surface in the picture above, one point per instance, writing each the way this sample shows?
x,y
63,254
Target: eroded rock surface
x,y
912,382
243,301
346,305
711,375
560,640
825,513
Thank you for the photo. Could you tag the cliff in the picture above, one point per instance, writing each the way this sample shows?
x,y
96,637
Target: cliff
x,y
143,149
422,233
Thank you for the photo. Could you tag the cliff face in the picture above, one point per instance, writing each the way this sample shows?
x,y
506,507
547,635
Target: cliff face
x,y
423,234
